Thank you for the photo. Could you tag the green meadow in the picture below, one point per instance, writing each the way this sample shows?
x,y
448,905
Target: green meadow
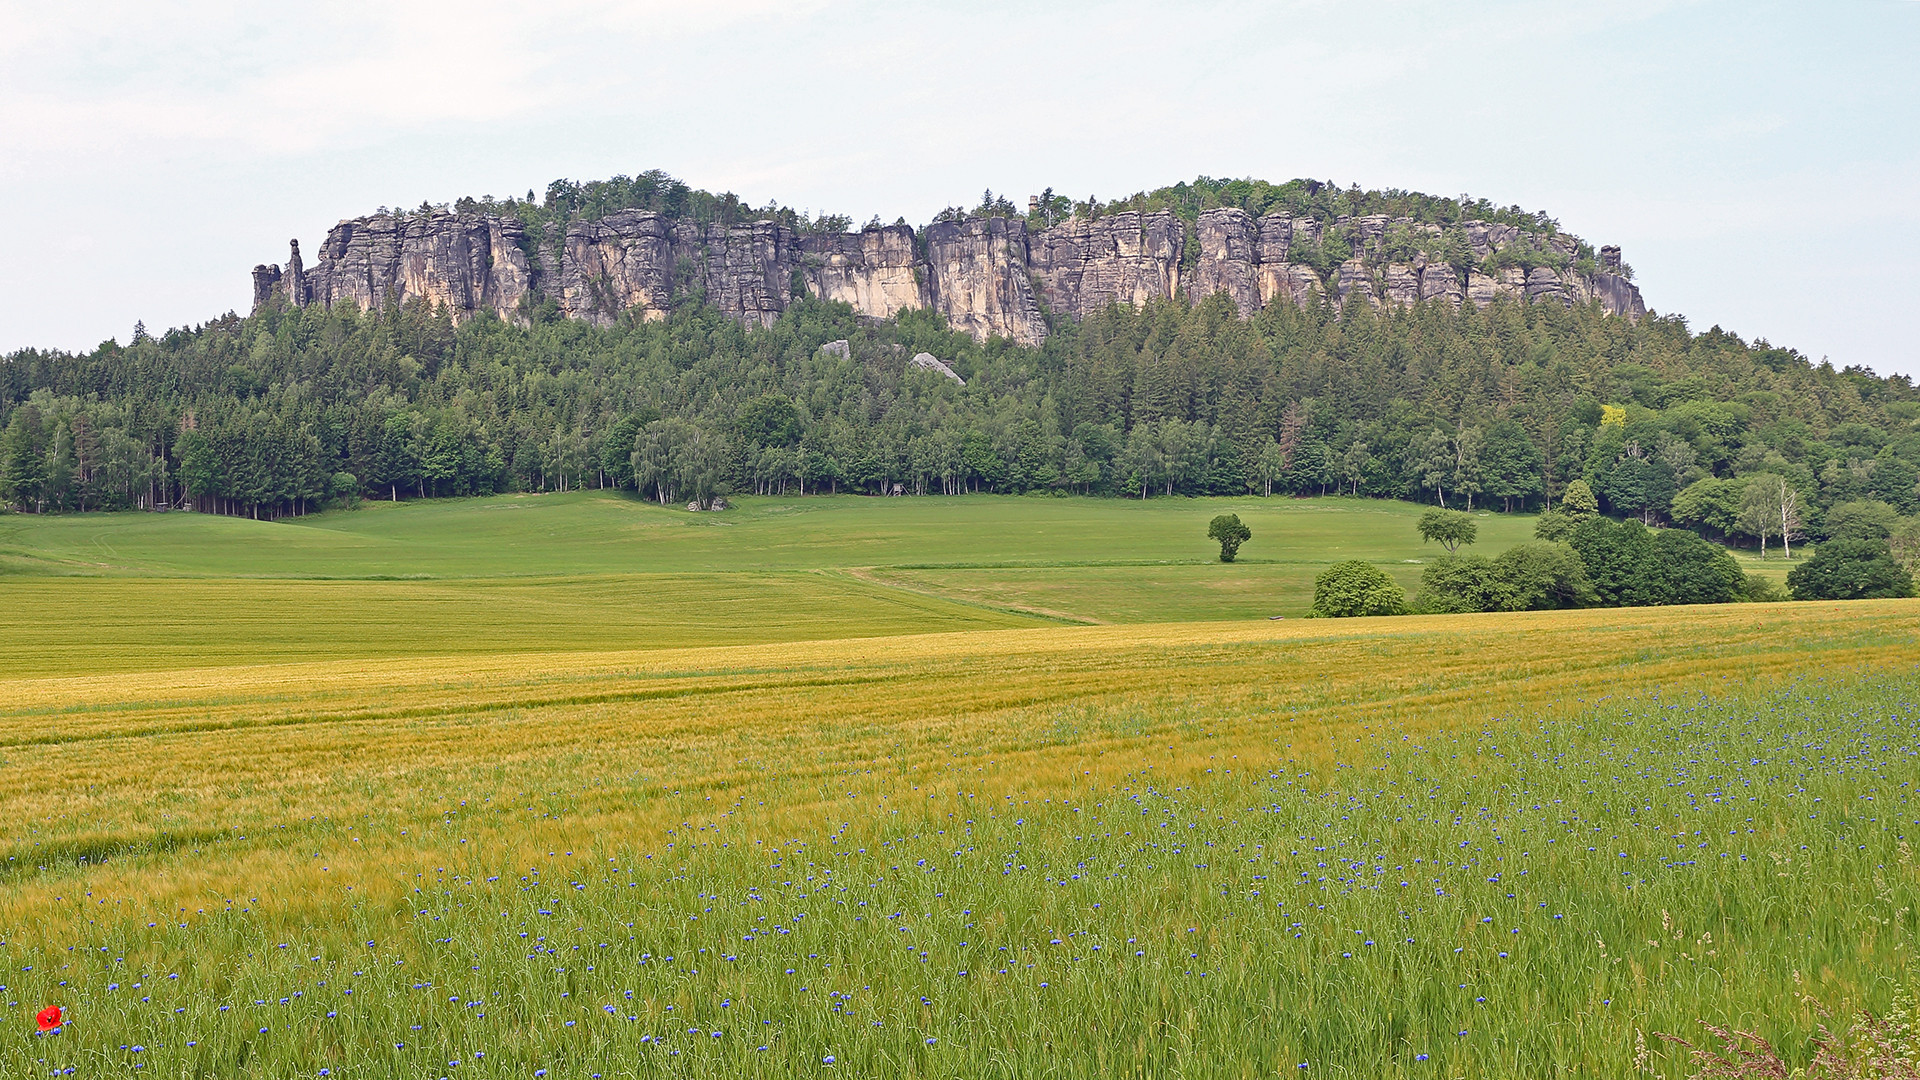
x,y
594,570
613,533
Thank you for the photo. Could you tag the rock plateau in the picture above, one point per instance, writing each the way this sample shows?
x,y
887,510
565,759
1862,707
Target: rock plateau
x,y
987,275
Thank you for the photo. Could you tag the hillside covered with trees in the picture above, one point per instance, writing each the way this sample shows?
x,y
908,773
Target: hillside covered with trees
x,y
292,408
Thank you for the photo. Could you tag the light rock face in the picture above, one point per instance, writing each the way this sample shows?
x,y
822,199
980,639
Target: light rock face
x,y
1484,289
623,261
747,270
468,262
988,276
1249,260
266,281
1402,282
1484,237
1439,281
1544,284
1278,232
877,272
1289,283
1351,280
929,362
981,281
1083,266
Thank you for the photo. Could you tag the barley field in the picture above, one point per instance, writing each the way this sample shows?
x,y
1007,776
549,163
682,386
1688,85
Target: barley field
x,y
1445,846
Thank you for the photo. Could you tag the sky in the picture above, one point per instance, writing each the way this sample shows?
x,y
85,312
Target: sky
x,y
1759,163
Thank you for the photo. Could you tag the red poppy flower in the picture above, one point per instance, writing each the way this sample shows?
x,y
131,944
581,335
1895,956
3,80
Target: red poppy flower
x,y
51,1018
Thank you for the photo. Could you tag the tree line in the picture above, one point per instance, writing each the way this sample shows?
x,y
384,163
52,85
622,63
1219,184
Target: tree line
x,y
1580,558
295,409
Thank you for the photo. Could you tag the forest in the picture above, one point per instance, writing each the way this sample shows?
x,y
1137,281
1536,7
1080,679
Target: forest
x,y
294,409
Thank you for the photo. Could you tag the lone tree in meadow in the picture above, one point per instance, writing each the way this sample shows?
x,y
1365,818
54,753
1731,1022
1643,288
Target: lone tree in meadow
x,y
1452,528
1228,529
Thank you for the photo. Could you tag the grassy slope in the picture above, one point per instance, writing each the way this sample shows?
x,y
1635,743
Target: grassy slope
x,y
600,571
604,533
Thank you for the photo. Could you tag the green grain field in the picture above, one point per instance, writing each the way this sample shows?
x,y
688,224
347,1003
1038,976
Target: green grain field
x,y
594,570
572,786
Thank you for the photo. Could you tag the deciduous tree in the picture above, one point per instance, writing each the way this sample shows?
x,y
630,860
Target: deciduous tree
x,y
1231,532
1450,528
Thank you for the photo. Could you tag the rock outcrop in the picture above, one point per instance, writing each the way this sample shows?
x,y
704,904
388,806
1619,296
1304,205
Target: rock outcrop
x,y
1249,259
988,276
1353,282
877,272
644,262
623,262
1615,293
929,362
1228,258
466,262
1439,281
980,278
1083,266
745,270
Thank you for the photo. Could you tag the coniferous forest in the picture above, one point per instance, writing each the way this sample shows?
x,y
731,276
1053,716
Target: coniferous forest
x,y
293,409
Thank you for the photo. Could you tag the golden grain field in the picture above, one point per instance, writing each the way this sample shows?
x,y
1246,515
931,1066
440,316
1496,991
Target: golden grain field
x,y
193,817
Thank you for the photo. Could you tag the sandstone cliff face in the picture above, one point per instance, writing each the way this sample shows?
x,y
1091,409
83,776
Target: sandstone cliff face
x,y
877,271
643,262
1131,258
1280,280
1439,281
987,276
981,281
467,262
1229,257
1402,284
745,270
1616,294
625,261
1250,260
1352,281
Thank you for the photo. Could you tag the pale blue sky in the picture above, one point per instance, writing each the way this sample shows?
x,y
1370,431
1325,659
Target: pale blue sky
x,y
1757,161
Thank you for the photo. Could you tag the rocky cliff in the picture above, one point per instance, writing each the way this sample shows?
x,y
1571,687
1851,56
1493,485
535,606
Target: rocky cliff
x,y
1127,258
877,272
468,262
643,262
980,278
988,276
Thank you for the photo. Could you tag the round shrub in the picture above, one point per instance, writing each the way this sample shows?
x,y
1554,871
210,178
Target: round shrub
x,y
1850,570
1353,588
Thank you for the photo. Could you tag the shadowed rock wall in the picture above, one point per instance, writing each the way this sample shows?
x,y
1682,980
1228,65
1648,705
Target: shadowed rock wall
x,y
1082,266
